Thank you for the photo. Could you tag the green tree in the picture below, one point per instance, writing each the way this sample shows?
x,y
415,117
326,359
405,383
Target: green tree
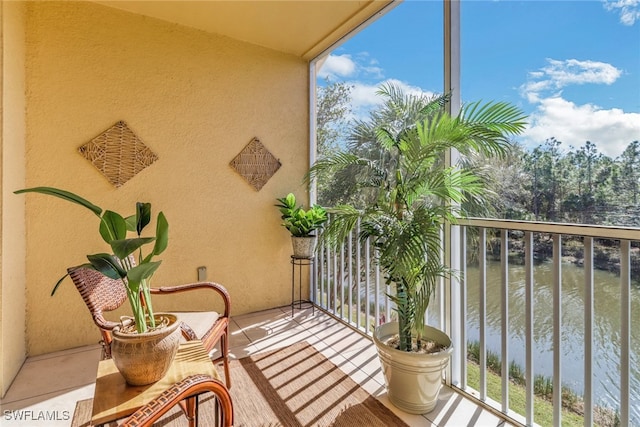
x,y
398,111
545,171
332,112
508,180
580,203
606,208
630,172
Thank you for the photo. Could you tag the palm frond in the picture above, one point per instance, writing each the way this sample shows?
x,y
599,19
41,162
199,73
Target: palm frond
x,y
490,124
386,139
436,104
336,162
342,221
408,192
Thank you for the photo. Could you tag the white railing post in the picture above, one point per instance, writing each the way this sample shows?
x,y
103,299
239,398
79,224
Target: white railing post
x,y
376,297
452,307
625,333
557,329
528,261
588,331
462,342
342,279
367,262
350,276
482,310
359,279
504,302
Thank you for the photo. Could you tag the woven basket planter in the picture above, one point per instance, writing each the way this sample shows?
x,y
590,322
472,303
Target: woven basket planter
x,y
145,358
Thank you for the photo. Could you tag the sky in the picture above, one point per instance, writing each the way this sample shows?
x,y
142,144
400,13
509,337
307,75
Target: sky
x,y
572,66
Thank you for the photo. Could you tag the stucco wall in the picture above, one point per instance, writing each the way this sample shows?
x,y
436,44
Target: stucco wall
x,y
196,100
12,147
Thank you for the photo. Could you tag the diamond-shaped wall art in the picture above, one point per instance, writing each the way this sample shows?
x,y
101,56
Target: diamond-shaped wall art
x,y
118,153
255,164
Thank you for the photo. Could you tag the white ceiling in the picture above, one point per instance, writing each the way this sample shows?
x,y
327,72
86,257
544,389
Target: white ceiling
x,y
304,28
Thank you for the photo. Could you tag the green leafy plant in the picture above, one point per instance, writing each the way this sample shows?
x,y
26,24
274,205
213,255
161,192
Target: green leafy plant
x,y
299,222
114,229
411,192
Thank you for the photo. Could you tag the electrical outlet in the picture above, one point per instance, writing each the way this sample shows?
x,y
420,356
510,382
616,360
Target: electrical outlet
x,y
202,274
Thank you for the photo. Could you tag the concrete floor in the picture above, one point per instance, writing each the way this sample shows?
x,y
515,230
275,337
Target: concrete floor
x,y
50,385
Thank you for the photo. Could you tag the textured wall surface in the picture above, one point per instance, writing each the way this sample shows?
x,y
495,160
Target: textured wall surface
x,y
12,232
195,99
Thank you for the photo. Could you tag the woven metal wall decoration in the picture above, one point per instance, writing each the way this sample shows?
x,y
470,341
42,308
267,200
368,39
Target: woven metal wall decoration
x,y
118,153
255,164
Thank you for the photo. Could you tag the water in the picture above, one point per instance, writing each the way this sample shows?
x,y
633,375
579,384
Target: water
x,y
606,326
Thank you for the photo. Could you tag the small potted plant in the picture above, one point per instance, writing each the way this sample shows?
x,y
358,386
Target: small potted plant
x,y
128,264
301,224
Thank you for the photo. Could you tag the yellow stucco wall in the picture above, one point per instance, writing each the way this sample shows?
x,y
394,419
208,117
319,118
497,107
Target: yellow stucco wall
x,y
196,100
12,148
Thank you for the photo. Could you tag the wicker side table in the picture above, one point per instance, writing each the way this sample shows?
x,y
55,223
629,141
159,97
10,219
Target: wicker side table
x,y
114,398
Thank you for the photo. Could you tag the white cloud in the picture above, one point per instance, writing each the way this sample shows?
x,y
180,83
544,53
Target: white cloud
x,y
346,66
354,70
611,130
337,65
629,10
572,71
553,116
364,97
374,71
558,74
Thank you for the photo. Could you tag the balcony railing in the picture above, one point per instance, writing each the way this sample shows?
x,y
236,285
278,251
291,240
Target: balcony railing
x,y
524,299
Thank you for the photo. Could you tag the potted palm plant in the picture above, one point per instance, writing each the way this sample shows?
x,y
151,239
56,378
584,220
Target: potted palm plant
x,y
411,194
128,264
301,224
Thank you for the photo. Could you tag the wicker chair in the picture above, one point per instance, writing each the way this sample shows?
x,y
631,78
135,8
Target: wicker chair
x,y
102,294
180,392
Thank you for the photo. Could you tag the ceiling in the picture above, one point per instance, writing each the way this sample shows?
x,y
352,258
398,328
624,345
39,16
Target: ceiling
x,y
304,28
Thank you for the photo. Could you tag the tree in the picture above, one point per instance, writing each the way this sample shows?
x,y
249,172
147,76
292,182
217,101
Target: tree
x,y
411,193
398,111
507,179
630,168
332,111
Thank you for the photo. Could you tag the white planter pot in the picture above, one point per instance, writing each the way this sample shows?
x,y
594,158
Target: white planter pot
x,y
303,247
413,380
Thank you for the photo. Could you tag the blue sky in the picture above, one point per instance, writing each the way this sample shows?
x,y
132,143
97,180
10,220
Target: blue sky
x,y
572,66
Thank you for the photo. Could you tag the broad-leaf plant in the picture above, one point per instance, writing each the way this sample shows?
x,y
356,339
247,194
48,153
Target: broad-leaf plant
x,y
117,265
300,222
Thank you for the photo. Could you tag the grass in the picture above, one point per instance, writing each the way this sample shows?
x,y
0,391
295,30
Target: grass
x,y
543,409
572,404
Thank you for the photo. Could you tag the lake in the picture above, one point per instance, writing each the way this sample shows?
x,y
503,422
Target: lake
x,y
606,339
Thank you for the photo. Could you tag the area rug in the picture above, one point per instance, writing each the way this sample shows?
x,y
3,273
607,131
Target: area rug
x,y
290,387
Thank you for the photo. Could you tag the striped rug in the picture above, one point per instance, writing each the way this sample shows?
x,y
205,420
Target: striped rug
x,y
289,387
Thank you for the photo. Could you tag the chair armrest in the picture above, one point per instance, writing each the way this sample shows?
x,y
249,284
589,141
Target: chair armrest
x,y
104,324
190,386
221,290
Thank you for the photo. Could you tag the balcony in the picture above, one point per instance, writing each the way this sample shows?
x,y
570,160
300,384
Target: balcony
x,y
52,56
520,299
56,381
